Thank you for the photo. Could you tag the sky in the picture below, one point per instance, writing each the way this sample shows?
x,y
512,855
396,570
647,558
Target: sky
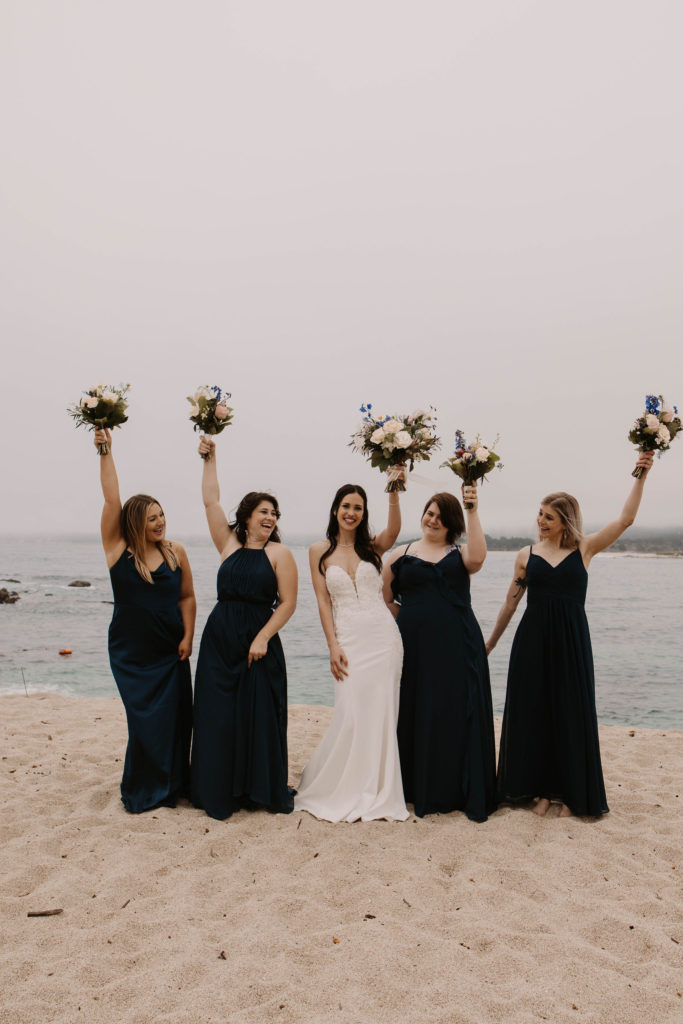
x,y
475,206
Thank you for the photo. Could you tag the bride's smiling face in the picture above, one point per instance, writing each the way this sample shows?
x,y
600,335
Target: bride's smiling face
x,y
350,511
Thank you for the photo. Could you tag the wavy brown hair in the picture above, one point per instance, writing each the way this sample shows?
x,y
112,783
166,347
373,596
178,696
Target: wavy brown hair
x,y
249,502
133,528
450,513
363,545
567,508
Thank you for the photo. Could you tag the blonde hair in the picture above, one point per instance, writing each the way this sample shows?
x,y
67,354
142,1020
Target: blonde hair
x,y
133,528
567,508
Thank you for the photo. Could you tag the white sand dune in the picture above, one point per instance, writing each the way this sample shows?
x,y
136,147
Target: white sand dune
x,y
172,917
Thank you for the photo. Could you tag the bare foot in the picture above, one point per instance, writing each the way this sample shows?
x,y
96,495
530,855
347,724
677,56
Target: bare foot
x,y
541,807
565,812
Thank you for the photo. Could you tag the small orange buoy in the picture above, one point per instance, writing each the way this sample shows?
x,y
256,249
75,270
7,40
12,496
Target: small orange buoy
x,y
65,651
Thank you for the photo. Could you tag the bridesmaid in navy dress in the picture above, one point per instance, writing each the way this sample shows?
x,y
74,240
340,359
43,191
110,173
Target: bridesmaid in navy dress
x,y
445,724
549,749
150,641
239,751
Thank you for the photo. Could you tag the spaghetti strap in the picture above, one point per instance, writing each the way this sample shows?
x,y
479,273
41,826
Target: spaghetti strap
x,y
407,549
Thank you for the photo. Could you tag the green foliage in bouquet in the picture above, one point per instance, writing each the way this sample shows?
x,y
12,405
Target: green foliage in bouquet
x,y
101,407
473,461
209,413
389,441
655,429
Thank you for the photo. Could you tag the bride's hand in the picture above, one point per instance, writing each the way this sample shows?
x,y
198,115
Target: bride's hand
x,y
338,663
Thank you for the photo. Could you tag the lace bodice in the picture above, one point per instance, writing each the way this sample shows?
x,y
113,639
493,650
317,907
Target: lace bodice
x,y
350,598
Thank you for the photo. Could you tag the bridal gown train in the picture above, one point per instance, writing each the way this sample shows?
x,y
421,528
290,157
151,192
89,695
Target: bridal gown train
x,y
355,772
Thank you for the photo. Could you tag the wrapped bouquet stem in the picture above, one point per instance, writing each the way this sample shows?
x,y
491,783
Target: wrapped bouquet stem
x,y
210,412
390,443
655,429
101,407
472,462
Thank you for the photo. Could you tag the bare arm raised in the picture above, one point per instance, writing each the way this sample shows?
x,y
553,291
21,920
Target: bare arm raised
x,y
222,535
596,542
474,551
112,539
387,538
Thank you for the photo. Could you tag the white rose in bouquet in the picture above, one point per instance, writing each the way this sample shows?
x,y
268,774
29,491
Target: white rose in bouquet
x,y
403,439
90,401
481,454
651,423
378,436
110,396
663,434
392,427
667,414
194,410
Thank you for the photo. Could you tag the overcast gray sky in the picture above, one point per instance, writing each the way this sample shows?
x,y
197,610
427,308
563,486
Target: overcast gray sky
x,y
312,204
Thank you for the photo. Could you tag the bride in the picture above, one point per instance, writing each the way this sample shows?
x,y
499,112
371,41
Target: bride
x,y
355,771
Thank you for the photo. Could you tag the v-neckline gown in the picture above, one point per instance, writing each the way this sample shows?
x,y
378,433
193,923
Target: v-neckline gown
x,y
155,686
549,741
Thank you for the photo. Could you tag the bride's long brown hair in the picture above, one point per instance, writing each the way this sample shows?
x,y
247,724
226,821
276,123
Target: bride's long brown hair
x,y
363,545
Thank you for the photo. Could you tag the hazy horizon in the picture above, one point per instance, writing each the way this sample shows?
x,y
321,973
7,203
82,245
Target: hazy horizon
x,y
477,207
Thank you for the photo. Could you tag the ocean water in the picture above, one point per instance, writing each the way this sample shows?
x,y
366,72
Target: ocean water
x,y
633,611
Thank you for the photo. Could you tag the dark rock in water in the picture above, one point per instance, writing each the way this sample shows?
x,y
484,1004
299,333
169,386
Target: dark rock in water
x,y
48,593
8,579
8,596
80,583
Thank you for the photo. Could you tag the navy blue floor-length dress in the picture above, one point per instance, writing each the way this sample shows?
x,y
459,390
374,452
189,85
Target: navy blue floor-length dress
x,y
155,686
445,724
239,750
549,742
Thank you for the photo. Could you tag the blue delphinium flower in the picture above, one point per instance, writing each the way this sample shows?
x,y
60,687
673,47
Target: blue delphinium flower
x,y
652,404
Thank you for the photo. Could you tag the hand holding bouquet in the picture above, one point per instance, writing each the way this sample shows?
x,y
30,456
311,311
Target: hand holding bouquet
x,y
655,429
102,407
471,462
390,441
210,413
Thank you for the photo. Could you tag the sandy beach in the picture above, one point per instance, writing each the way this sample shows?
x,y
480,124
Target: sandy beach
x,y
173,917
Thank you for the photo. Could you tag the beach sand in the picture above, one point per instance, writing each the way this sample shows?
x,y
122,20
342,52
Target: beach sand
x,y
170,916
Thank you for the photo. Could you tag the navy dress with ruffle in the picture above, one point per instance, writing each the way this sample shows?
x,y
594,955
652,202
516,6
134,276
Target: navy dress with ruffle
x,y
445,725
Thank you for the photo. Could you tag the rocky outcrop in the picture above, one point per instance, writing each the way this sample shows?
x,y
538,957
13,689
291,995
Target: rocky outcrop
x,y
80,583
8,596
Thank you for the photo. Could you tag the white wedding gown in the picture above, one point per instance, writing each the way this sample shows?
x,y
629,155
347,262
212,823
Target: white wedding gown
x,y
355,771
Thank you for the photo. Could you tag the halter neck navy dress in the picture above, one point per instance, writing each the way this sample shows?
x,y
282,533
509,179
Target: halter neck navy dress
x,y
549,742
445,724
239,750
155,686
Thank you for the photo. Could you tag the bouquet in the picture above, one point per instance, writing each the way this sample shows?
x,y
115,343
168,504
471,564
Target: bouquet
x,y
472,461
101,407
209,411
390,441
655,429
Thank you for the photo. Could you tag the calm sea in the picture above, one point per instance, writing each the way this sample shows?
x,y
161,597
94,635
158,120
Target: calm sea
x,y
633,610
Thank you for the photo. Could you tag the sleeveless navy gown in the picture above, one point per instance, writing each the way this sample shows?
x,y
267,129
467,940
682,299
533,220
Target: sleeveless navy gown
x,y
239,750
445,724
155,686
549,743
